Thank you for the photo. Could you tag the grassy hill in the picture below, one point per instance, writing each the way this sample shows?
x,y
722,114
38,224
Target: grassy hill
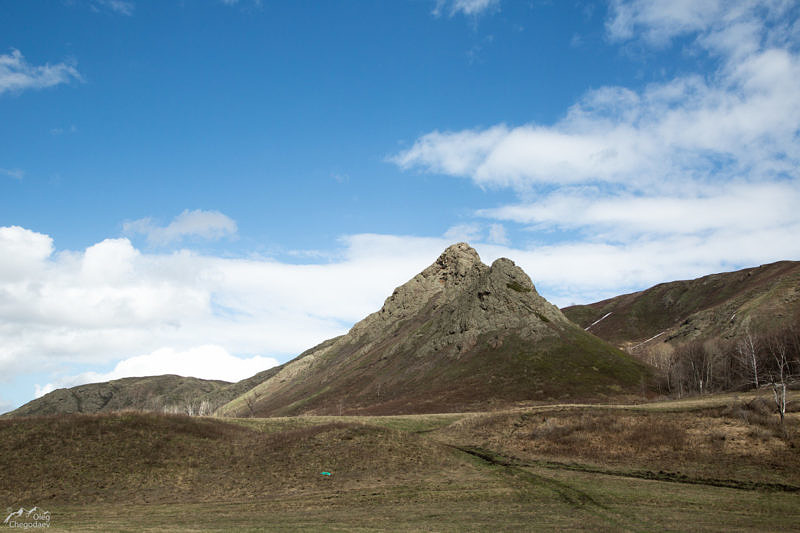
x,y
146,457
153,393
722,306
563,467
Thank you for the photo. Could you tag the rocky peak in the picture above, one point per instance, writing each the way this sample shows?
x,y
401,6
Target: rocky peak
x,y
457,256
457,263
457,266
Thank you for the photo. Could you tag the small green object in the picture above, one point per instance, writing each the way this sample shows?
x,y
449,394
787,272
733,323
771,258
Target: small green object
x,y
325,473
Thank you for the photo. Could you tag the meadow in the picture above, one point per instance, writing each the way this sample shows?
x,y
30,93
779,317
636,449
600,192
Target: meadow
x,y
720,462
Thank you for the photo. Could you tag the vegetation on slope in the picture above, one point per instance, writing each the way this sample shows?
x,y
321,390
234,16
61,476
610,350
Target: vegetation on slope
x,y
728,331
548,467
714,306
153,393
146,457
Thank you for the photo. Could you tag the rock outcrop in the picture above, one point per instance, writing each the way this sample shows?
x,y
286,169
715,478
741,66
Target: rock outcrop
x,y
458,335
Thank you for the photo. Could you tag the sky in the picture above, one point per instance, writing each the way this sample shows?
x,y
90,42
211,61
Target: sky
x,y
209,188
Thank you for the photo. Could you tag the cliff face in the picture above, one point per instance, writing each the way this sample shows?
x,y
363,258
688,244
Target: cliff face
x,y
458,335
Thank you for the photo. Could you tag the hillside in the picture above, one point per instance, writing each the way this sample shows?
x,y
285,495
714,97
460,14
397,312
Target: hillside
x,y
145,457
718,306
548,467
153,393
459,335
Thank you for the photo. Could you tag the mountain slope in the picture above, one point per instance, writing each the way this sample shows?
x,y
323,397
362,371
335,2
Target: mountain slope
x,y
716,306
153,393
459,335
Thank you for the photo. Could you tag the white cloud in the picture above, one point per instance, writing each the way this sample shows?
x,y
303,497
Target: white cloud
x,y
741,121
24,252
680,178
17,75
497,234
203,316
739,207
204,362
210,225
658,22
465,7
112,302
687,129
463,232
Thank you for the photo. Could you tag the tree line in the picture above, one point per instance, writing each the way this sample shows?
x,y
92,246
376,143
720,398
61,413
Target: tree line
x,y
751,360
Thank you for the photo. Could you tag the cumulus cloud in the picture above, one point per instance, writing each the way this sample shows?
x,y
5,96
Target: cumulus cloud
x,y
112,302
205,362
24,252
205,316
17,75
211,225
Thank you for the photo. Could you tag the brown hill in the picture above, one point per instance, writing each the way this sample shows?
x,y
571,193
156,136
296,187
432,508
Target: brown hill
x,y
145,457
154,393
460,335
719,306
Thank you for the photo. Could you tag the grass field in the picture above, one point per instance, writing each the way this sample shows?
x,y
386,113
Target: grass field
x,y
711,464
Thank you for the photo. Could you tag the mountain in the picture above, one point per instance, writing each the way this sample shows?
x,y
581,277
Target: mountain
x,y
154,393
718,306
460,335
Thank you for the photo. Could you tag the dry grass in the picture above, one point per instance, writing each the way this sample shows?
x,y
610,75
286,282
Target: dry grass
x,y
738,442
563,468
145,458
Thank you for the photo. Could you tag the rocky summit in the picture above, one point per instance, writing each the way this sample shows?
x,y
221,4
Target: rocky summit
x,y
459,335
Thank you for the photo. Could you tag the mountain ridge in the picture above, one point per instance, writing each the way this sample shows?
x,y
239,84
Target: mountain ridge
x,y
166,392
458,335
450,311
721,305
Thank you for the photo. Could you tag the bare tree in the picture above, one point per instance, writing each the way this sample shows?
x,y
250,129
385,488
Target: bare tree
x,y
779,373
692,368
748,354
205,408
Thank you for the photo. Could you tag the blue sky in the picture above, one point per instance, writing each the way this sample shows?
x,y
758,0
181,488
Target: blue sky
x,y
211,187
